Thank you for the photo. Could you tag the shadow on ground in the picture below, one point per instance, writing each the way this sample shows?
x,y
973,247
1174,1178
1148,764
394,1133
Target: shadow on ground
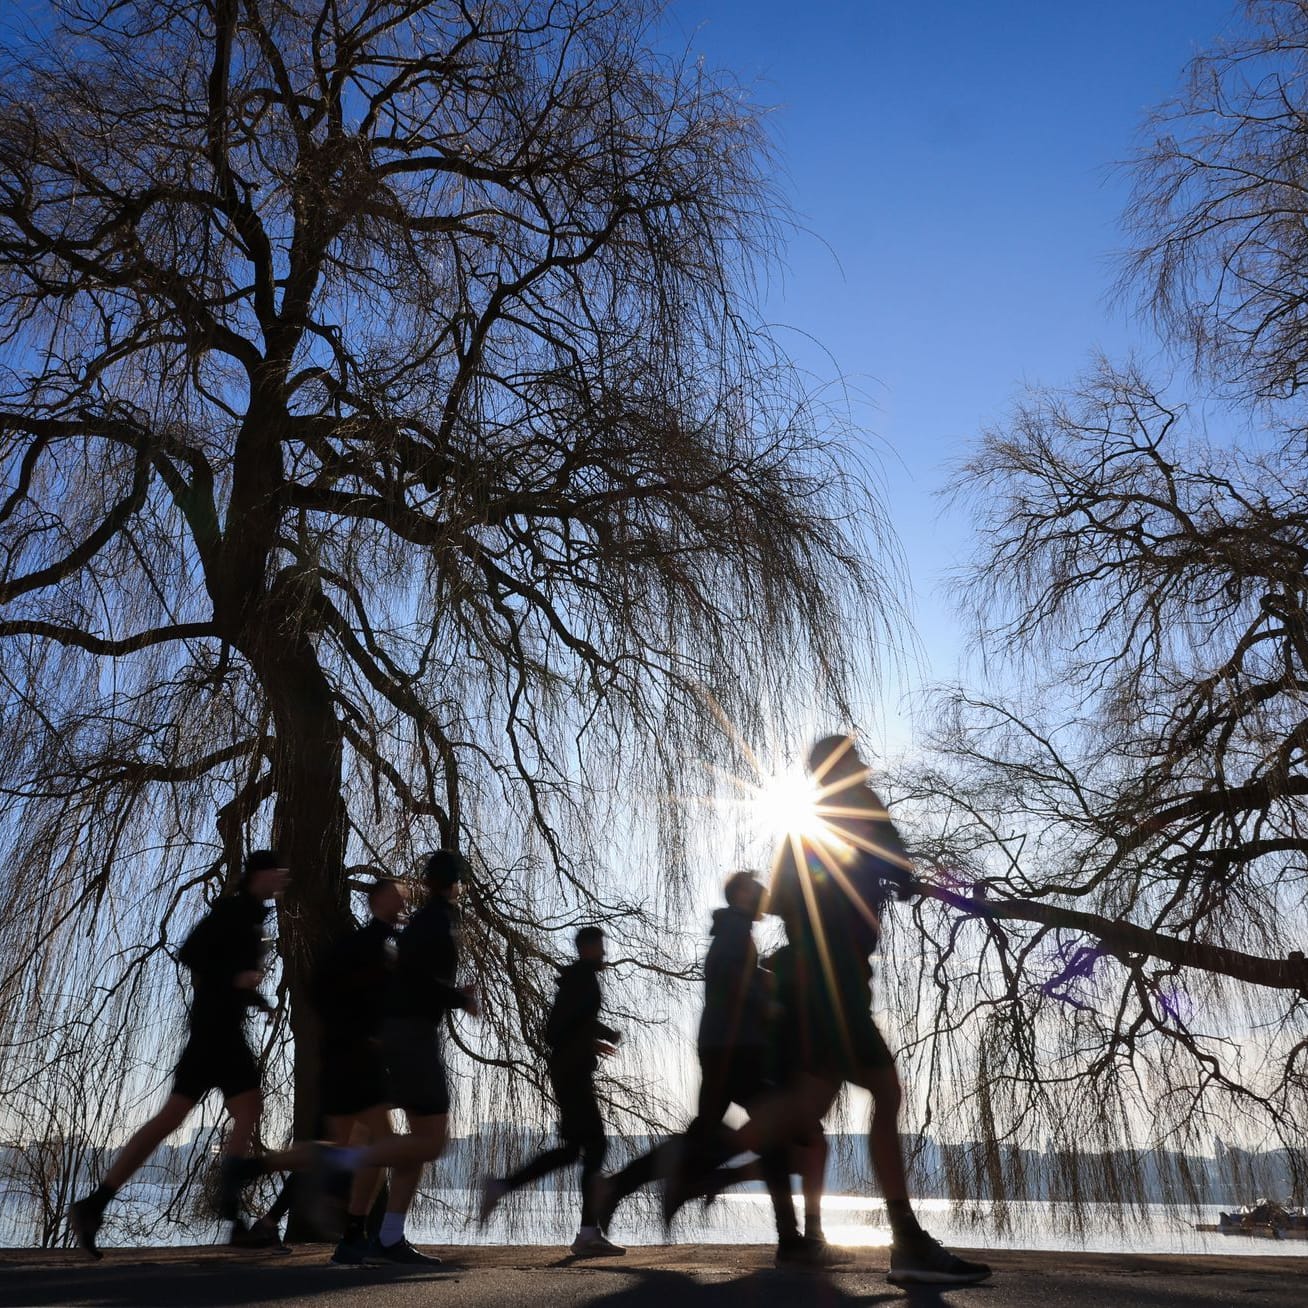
x,y
206,1283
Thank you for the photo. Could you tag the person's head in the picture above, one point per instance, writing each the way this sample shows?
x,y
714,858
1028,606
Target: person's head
x,y
590,944
444,872
834,759
744,892
265,875
386,900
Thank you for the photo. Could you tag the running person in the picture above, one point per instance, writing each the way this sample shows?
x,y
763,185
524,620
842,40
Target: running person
x,y
225,955
808,1153
733,1058
422,992
576,1038
830,892
353,985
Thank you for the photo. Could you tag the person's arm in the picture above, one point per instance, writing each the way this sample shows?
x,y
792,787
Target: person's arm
x,y
208,953
439,950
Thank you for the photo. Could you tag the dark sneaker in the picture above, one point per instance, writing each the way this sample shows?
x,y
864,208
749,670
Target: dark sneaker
x,y
594,1246
350,1253
262,1235
924,1261
807,1251
401,1254
85,1218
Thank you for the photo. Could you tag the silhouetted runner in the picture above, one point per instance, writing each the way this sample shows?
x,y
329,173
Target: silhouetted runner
x,y
576,1038
808,1154
225,955
352,989
734,1058
423,990
830,892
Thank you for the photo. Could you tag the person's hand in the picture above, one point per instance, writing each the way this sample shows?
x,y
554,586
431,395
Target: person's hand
x,y
473,1006
248,980
605,1049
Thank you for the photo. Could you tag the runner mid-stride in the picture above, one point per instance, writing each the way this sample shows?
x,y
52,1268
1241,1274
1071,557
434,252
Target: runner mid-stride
x,y
576,1038
225,954
830,891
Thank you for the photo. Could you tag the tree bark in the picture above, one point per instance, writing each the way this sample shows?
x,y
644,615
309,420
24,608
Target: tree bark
x,y
309,830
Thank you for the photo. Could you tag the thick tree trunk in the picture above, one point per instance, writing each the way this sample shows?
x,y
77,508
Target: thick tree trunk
x,y
309,828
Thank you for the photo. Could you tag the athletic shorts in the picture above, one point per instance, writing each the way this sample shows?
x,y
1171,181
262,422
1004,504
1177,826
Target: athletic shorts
x,y
353,1077
215,1060
580,1122
415,1066
832,1020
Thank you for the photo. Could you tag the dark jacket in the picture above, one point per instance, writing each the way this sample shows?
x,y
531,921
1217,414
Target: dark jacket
x,y
872,867
735,991
426,963
573,1025
354,980
228,940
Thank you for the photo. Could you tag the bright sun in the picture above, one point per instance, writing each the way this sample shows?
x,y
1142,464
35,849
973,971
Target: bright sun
x,y
787,805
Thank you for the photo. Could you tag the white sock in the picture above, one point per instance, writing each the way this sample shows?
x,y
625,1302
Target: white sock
x,y
392,1229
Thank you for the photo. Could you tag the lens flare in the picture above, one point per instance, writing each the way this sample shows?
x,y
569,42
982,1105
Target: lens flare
x,y
787,806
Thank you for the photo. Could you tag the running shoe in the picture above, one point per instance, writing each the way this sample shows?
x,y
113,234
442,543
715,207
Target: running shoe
x,y
922,1260
262,1235
399,1254
85,1218
595,1246
808,1251
350,1253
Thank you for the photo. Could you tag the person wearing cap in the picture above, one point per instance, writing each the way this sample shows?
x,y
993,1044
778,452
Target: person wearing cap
x,y
577,1039
422,991
225,955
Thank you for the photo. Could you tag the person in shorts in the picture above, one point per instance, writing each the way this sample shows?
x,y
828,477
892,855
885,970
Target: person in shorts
x,y
421,994
352,989
225,955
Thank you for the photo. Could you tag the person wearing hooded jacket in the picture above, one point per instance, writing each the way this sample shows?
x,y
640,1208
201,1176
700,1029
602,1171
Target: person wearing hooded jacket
x,y
734,1045
225,955
577,1038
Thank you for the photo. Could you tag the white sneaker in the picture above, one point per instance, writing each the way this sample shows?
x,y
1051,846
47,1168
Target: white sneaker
x,y
588,1245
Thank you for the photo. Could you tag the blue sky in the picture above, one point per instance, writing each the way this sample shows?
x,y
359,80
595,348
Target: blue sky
x,y
954,162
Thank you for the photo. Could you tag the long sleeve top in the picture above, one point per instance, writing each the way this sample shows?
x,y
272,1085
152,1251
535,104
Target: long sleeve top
x,y
735,990
426,964
836,894
574,1024
354,980
228,940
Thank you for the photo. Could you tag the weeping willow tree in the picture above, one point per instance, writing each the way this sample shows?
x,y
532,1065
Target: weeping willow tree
x,y
1110,969
393,457
1109,961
